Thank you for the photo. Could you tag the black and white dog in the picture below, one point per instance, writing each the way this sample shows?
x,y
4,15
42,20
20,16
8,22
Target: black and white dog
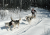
x,y
13,22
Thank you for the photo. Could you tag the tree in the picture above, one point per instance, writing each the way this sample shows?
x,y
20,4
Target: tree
x,y
26,4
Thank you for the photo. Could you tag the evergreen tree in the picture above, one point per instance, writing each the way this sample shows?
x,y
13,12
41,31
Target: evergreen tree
x,y
26,4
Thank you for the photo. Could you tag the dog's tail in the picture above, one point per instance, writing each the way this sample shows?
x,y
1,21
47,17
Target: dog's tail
x,y
11,18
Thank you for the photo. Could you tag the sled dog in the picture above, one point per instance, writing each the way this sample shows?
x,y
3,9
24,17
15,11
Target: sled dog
x,y
13,22
29,18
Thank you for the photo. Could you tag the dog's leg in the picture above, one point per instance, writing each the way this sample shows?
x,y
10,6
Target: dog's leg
x,y
18,25
35,16
8,28
29,22
14,27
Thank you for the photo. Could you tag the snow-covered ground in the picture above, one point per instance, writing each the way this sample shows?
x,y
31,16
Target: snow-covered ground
x,y
38,26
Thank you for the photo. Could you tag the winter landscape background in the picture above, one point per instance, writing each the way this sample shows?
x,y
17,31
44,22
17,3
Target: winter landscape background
x,y
22,8
38,26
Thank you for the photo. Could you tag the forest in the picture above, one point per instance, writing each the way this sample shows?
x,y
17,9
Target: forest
x,y
24,4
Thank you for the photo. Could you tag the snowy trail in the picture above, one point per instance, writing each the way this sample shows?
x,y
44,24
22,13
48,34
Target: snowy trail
x,y
25,28
22,28
41,29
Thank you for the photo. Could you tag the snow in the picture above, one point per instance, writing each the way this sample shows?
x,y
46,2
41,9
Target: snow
x,y
38,26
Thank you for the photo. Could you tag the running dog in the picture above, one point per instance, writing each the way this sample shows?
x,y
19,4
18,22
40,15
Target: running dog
x,y
29,18
16,22
13,22
9,24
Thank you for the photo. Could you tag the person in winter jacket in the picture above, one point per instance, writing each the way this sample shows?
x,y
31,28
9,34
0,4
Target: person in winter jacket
x,y
33,12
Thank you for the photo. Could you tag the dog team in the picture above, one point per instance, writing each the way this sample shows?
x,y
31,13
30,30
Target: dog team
x,y
17,22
